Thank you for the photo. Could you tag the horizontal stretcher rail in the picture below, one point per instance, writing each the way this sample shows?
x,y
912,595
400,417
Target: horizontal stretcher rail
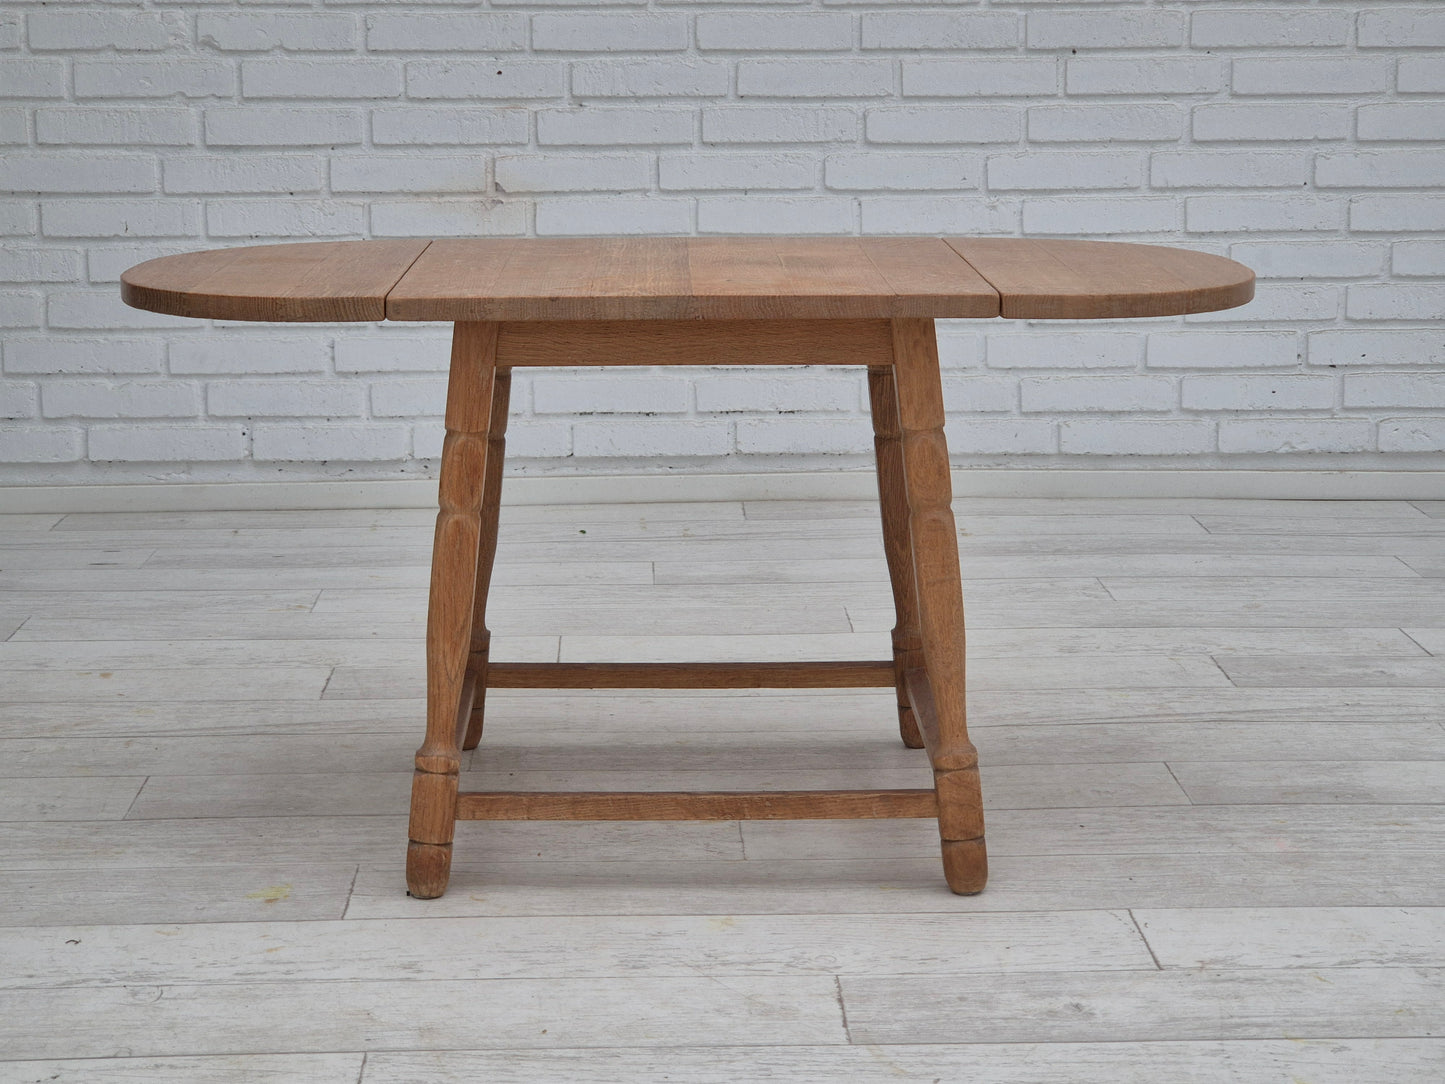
x,y
689,675
625,805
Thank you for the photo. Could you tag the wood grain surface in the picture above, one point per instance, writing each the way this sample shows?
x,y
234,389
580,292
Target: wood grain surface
x,y
479,656
315,281
937,696
1088,280
897,540
692,342
451,683
690,675
678,278
695,805
688,278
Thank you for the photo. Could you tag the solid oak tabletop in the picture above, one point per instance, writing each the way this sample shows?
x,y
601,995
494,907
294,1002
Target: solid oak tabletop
x,y
671,278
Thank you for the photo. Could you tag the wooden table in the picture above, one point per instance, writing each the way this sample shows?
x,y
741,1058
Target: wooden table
x,y
696,301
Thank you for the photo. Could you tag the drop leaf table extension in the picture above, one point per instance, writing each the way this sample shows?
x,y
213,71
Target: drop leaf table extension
x,y
696,301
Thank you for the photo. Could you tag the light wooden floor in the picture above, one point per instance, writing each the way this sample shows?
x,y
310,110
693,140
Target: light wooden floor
x,y
1213,737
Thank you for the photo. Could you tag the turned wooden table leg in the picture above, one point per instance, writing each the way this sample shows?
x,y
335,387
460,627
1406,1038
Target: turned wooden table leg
x,y
940,603
897,545
449,616
486,554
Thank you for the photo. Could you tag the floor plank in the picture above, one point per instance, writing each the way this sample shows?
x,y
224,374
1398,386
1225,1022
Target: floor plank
x,y
196,684
51,799
609,947
985,643
1136,1006
290,556
1139,671
1310,937
1101,506
327,519
548,539
885,885
1262,704
1189,589
1432,640
94,605
833,539
190,797
175,654
1407,526
984,567
412,578
867,746
246,754
1155,829
1336,1061
286,625
1042,522
639,514
220,1069
1334,781
862,711
36,557
315,1017
275,890
1241,610
235,718
1286,746
251,519
512,604
793,745
658,610
1327,670
1140,830
162,843
29,521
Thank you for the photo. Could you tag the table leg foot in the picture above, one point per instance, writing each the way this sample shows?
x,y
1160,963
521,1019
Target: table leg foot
x,y
428,868
433,823
965,865
960,828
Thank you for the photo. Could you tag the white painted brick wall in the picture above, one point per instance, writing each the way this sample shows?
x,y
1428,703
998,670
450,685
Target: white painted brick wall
x,y
1303,137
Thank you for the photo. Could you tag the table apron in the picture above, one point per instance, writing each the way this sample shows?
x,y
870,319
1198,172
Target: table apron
x,y
694,342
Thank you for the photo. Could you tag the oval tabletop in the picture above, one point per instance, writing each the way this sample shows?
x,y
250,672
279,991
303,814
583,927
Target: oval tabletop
x,y
669,278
